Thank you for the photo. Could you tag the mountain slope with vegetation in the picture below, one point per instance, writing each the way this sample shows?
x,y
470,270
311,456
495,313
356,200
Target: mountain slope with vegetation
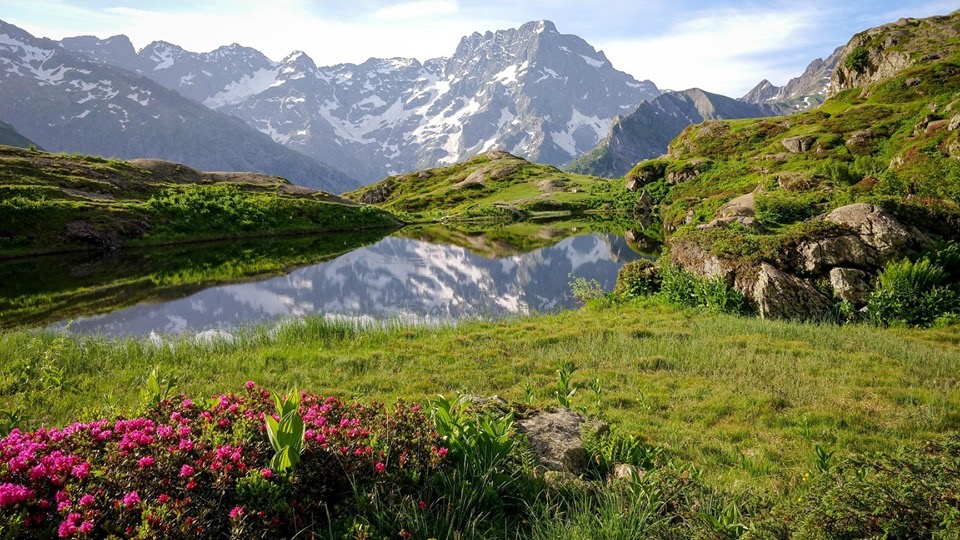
x,y
58,202
9,136
494,184
646,132
770,204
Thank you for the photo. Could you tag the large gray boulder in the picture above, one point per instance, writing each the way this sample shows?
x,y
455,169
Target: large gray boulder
x,y
875,238
798,144
555,439
779,295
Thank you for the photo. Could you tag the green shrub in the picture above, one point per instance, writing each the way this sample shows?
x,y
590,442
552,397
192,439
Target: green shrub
x,y
637,278
947,256
784,209
836,171
911,493
857,59
683,288
913,293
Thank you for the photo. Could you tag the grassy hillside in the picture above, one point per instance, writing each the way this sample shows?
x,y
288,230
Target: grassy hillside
x,y
57,202
493,184
894,143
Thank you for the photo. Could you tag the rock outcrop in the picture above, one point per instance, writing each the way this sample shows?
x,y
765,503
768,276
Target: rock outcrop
x,y
867,237
874,238
798,144
880,53
851,285
779,295
555,439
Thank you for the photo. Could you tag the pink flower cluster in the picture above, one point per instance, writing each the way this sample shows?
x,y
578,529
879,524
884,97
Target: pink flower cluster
x,y
116,474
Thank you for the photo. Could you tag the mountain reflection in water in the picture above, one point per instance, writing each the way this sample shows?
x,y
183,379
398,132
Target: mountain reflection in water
x,y
396,278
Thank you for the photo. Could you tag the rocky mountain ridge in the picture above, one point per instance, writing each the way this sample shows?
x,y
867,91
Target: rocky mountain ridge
x,y
646,132
531,91
800,93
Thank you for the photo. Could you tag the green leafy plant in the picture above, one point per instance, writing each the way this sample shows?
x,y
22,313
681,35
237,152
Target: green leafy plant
x,y
683,288
913,293
606,448
729,521
637,279
482,440
286,433
823,459
584,290
856,60
565,389
908,493
158,387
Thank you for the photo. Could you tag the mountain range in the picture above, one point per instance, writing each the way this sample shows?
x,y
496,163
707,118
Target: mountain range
x,y
800,93
531,91
67,102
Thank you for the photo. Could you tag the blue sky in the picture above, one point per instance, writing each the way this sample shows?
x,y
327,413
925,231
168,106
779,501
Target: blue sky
x,y
722,46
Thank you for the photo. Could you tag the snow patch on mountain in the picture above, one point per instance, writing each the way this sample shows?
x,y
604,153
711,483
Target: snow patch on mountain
x,y
247,86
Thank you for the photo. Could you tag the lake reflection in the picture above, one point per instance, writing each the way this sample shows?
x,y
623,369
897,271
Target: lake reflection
x,y
396,278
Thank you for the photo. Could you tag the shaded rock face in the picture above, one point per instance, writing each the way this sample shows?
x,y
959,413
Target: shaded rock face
x,y
378,194
555,439
851,285
646,132
780,295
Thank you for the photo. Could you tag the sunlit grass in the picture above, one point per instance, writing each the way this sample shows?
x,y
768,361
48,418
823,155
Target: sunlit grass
x,y
745,399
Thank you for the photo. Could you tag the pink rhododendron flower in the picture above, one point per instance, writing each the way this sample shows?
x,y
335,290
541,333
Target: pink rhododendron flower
x,y
186,470
131,499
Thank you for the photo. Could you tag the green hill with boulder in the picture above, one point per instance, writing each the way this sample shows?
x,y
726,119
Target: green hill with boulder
x,y
801,214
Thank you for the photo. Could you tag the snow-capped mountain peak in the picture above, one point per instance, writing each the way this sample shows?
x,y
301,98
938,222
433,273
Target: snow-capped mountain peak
x,y
532,91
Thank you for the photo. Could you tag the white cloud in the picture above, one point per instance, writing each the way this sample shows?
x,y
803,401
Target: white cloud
x,y
726,52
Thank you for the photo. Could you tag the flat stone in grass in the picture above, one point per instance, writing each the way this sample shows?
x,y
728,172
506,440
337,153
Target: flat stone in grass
x,y
555,439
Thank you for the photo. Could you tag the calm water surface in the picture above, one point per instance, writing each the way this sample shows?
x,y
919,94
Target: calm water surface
x,y
394,278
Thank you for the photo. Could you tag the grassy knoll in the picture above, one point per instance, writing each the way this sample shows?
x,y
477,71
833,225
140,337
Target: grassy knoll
x,y
745,400
492,184
57,202
887,144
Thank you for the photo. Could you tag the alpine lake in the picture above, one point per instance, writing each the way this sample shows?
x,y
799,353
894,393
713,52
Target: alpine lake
x,y
428,274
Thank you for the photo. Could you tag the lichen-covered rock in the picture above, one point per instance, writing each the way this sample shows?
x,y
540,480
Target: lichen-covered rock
x,y
378,193
851,285
878,229
555,439
818,255
622,472
798,144
779,295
